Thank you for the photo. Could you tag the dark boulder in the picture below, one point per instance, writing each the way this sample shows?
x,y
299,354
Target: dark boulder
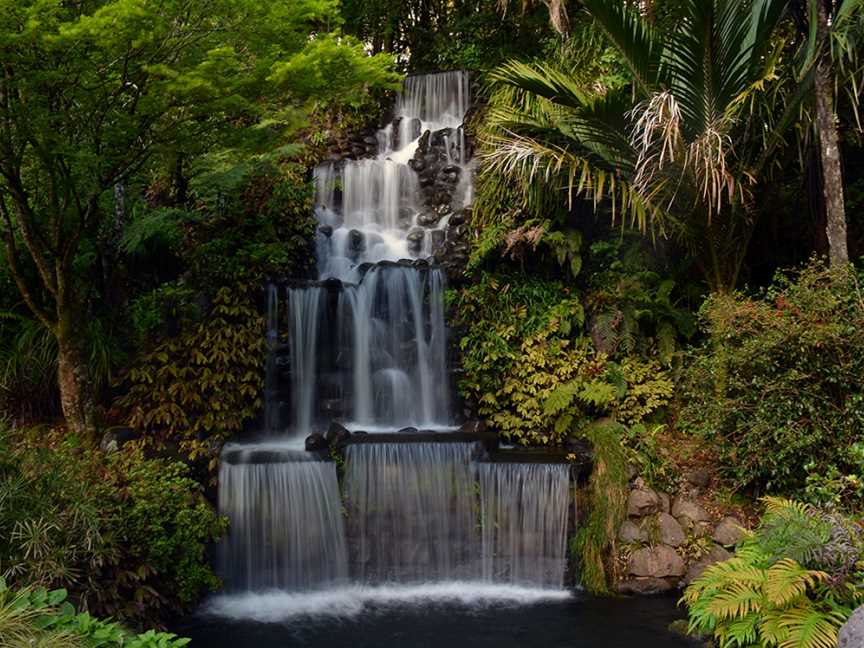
x,y
316,442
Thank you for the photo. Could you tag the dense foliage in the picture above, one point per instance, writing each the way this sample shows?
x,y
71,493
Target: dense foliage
x,y
779,384
36,617
126,535
791,583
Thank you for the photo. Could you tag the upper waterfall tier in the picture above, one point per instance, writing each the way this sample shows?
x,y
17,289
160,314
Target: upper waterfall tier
x,y
390,207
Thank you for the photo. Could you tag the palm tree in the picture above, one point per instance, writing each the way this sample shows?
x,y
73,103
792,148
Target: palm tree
x,y
682,149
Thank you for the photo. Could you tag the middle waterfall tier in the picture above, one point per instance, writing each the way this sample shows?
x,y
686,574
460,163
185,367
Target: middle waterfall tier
x,y
371,354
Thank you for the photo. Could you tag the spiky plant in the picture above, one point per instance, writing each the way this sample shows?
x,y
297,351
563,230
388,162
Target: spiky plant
x,y
681,150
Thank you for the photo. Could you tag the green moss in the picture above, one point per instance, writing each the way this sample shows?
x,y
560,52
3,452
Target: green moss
x,y
594,542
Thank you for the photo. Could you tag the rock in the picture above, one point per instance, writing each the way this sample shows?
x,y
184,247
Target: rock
x,y
457,218
116,437
656,562
408,430
728,532
645,586
326,230
423,143
665,502
670,531
438,238
336,434
642,502
473,427
699,477
315,441
415,236
427,219
693,511
717,554
356,239
630,532
852,633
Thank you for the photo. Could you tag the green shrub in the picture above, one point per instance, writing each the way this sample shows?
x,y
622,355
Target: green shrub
x,y
781,381
533,373
125,535
793,582
204,383
31,618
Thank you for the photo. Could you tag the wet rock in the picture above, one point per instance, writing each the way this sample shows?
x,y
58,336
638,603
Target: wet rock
x,y
670,530
326,230
116,437
416,235
458,218
649,585
428,219
408,430
315,441
692,510
440,136
852,633
419,263
656,562
728,532
413,130
337,435
473,427
630,532
417,164
423,142
642,502
717,554
355,238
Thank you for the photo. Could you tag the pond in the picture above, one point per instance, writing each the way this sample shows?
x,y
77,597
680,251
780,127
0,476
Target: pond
x,y
421,618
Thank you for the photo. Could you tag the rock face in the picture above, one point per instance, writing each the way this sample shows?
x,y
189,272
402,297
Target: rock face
x,y
852,633
630,532
642,502
728,532
656,562
670,530
690,509
717,554
657,537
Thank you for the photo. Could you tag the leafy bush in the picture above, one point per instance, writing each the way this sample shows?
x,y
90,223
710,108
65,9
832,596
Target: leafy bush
x,y
781,381
532,372
125,535
32,618
205,382
793,582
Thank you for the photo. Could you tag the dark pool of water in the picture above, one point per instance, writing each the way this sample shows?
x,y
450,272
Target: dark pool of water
x,y
579,622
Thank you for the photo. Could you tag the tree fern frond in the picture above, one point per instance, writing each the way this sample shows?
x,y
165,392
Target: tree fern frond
x,y
787,581
810,628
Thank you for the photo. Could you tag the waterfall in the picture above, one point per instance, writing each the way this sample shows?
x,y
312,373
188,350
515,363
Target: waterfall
x,y
366,343
411,511
286,525
523,512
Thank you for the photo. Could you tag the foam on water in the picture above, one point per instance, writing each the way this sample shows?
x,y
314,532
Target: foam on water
x,y
346,602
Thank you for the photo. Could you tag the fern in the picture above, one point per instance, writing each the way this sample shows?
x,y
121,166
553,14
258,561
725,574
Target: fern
x,y
763,597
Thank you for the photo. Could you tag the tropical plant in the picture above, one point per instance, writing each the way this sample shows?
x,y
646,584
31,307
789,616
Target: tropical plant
x,y
39,618
681,150
127,536
780,589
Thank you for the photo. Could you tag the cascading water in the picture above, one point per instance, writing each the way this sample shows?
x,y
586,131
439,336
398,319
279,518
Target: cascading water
x,y
411,512
367,345
523,513
287,530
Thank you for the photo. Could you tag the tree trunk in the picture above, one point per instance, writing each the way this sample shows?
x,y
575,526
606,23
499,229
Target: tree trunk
x,y
829,152
73,376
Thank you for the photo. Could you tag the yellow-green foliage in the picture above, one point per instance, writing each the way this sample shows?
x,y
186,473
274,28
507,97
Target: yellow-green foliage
x,y
533,373
649,387
761,597
204,382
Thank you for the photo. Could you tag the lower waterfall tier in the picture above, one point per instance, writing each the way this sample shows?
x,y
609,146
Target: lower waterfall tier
x,y
416,513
